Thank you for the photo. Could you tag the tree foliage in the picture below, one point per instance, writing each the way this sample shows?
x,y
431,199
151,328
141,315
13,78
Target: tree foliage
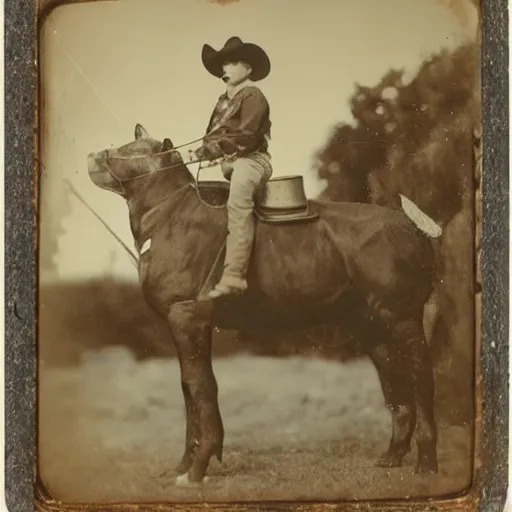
x,y
408,138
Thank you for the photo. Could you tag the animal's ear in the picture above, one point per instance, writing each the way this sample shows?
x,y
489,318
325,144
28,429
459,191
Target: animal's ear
x,y
140,132
167,144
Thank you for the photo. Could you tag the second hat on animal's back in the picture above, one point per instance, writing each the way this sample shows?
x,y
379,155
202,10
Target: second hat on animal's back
x,y
234,50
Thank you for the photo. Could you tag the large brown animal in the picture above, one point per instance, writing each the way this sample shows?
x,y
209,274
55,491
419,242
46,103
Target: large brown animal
x,y
362,266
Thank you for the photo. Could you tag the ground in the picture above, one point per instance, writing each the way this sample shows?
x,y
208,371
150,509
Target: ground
x,y
112,429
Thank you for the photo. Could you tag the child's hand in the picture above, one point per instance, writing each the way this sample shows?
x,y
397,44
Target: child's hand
x,y
207,151
200,153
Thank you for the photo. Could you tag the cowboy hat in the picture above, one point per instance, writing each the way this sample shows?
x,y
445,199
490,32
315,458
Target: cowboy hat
x,y
236,49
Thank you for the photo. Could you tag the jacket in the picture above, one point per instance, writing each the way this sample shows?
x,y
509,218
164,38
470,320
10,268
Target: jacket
x,y
240,124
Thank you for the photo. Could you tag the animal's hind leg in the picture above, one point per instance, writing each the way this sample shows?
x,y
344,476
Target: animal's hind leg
x,y
205,433
409,333
395,383
399,399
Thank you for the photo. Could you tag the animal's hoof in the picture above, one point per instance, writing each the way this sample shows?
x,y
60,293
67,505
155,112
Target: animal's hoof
x,y
182,468
426,469
186,462
184,481
389,461
427,460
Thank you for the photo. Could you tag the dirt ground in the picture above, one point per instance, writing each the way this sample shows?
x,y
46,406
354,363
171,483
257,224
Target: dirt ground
x,y
113,429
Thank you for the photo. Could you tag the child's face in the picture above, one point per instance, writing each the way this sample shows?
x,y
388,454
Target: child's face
x,y
235,72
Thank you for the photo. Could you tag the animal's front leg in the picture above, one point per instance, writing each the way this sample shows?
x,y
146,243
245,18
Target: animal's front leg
x,y
205,432
192,432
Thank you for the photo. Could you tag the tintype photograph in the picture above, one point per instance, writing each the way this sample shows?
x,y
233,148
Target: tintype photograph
x,y
258,250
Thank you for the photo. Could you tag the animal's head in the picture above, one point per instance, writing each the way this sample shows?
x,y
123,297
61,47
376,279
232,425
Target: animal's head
x,y
115,169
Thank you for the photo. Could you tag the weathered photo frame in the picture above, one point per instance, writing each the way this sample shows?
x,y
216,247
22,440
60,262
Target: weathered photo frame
x,y
24,488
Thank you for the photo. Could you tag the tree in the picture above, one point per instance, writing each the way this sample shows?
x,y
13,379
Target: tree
x,y
412,139
417,139
351,153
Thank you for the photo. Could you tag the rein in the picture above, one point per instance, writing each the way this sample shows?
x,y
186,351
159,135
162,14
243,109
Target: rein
x,y
213,163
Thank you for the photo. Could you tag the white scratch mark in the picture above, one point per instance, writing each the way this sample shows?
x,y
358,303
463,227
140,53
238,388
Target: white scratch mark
x,y
145,247
87,80
420,218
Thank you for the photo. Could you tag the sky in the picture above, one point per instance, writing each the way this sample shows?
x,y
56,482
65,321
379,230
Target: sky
x,y
109,65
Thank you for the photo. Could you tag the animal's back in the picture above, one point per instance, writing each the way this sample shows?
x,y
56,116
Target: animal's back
x,y
354,224
383,248
296,266
350,241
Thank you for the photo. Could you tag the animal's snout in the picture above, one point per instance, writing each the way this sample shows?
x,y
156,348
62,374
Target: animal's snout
x,y
99,155
96,163
91,161
94,159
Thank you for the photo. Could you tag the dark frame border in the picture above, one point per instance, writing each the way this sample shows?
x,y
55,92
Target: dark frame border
x,y
21,184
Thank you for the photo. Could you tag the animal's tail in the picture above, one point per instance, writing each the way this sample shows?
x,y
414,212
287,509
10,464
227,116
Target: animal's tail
x,y
420,218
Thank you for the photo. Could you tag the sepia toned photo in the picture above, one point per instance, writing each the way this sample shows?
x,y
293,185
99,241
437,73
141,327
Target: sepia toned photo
x,y
258,250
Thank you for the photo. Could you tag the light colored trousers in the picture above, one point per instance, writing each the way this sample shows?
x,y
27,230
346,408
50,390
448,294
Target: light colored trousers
x,y
247,175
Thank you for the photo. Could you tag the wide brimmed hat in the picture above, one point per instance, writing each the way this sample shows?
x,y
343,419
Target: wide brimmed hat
x,y
236,49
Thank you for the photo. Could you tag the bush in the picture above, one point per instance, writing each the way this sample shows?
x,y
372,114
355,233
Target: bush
x,y
82,316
